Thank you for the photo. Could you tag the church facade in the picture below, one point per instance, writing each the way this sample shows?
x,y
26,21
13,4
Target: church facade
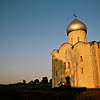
x,y
76,63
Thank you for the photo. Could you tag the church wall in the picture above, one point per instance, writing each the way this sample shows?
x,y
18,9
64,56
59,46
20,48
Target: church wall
x,y
95,64
84,76
99,65
84,63
99,55
66,57
55,69
75,36
60,62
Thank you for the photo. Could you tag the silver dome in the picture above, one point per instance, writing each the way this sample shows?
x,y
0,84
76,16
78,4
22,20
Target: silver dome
x,y
76,25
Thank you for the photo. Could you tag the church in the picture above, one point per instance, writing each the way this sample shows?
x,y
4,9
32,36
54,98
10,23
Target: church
x,y
76,63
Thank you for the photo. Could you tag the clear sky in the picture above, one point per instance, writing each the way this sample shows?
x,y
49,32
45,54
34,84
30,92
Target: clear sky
x,y
31,29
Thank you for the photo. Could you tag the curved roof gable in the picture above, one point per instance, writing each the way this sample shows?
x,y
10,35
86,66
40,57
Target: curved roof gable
x,y
63,45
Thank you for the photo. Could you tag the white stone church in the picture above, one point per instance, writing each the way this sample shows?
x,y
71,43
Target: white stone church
x,y
76,63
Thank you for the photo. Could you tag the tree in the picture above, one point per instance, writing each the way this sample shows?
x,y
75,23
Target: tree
x,y
24,82
31,82
36,81
44,80
50,82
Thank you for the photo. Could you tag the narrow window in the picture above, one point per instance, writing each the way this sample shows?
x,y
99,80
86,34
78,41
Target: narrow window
x,y
84,39
81,58
99,44
72,40
57,51
78,39
53,56
68,65
65,51
56,73
81,70
64,65
55,60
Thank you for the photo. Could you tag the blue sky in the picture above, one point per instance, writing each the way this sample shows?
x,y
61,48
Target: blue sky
x,y
31,29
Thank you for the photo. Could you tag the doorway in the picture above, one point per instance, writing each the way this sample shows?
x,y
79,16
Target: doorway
x,y
68,84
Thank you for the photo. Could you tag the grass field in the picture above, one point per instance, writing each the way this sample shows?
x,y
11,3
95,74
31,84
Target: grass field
x,y
27,92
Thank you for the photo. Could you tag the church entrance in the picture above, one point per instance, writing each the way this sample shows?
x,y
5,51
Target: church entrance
x,y
68,84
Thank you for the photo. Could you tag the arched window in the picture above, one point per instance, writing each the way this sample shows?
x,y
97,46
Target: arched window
x,y
68,65
64,65
81,58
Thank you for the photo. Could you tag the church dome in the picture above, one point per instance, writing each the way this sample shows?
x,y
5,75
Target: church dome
x,y
76,25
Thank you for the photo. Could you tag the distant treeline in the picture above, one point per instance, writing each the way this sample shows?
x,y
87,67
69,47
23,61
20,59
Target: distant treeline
x,y
44,81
